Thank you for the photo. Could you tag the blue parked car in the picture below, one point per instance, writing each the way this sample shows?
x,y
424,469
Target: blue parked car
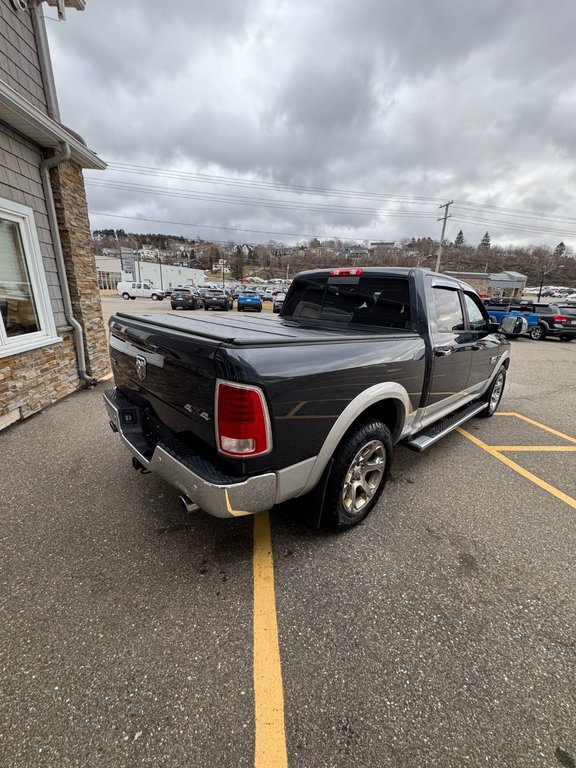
x,y
249,300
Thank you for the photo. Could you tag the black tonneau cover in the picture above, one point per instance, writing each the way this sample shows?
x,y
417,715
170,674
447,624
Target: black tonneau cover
x,y
261,331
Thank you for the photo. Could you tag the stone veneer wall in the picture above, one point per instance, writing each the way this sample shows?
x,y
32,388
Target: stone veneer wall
x,y
32,380
72,211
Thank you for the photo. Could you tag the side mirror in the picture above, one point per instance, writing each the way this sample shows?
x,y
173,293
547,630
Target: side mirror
x,y
494,327
513,326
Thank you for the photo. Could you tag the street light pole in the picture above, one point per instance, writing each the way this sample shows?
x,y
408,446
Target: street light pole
x,y
160,264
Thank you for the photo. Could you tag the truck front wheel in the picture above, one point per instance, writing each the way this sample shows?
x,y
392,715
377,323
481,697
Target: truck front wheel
x,y
494,394
360,468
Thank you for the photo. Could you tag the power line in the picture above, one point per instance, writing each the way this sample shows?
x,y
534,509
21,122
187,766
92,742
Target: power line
x,y
515,227
268,185
257,202
325,191
231,229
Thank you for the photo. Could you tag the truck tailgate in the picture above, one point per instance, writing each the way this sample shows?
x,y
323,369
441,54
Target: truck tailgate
x,y
167,374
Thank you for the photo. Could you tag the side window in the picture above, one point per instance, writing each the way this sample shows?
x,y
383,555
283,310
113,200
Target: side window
x,y
447,311
475,315
138,285
26,318
146,286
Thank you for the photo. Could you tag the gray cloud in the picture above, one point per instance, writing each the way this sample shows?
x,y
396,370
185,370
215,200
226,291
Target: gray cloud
x,y
472,101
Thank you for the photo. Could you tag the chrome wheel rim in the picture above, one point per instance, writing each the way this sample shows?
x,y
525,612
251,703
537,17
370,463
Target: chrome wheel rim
x,y
363,477
497,392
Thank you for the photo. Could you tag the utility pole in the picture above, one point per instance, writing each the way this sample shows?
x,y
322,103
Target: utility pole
x,y
444,219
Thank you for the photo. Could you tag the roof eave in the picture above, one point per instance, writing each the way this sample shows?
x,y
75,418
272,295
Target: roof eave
x,y
29,121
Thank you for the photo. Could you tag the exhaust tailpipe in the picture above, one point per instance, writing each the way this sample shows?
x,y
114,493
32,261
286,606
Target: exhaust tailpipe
x,y
188,504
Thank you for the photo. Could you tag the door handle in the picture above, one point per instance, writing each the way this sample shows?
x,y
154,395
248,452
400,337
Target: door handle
x,y
443,352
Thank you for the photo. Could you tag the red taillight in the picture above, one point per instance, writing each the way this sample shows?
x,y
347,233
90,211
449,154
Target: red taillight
x,y
559,319
242,427
345,272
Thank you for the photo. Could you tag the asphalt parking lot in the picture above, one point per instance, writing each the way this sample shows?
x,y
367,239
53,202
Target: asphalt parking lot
x,y
438,633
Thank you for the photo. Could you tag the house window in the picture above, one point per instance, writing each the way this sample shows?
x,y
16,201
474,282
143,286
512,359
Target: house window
x,y
26,319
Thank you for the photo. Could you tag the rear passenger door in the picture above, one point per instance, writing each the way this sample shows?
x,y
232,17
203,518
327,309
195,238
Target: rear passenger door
x,y
451,348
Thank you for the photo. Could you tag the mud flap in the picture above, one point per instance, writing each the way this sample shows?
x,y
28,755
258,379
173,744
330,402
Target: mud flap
x,y
308,509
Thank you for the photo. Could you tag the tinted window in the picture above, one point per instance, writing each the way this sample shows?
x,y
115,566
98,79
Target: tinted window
x,y
475,316
447,311
376,301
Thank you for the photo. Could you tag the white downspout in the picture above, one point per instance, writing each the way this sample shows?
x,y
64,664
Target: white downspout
x,y
44,58
51,162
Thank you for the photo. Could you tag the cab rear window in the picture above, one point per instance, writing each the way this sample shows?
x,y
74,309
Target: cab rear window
x,y
376,301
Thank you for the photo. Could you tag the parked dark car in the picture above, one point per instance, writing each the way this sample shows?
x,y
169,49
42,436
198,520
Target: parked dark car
x,y
214,299
278,302
554,320
183,298
201,293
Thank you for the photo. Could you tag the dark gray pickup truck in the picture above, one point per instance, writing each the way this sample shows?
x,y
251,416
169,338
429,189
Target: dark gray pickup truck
x,y
242,413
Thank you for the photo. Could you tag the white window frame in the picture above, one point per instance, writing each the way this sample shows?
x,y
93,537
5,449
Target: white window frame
x,y
23,216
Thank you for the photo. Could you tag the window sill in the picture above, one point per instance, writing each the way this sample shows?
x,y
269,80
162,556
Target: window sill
x,y
28,346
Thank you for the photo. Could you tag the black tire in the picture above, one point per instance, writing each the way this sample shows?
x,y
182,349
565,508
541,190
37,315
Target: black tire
x,y
133,298
344,504
493,395
154,297
173,306
260,310
538,332
566,338
239,309
125,296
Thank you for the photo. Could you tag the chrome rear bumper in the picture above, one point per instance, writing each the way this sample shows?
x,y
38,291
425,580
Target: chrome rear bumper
x,y
205,484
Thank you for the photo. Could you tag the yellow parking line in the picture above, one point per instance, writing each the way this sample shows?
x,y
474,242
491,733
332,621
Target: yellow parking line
x,y
539,425
521,471
568,448
270,740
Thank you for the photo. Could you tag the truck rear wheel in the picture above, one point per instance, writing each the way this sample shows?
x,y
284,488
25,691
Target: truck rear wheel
x,y
360,468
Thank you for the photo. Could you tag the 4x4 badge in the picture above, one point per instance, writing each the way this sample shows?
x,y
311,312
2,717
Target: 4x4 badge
x,y
141,367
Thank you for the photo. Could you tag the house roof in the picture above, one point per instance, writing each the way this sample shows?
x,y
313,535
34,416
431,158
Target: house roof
x,y
29,121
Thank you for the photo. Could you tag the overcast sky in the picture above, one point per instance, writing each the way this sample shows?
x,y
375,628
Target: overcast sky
x,y
392,106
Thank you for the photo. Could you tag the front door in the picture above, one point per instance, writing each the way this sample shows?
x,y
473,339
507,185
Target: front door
x,y
486,348
451,348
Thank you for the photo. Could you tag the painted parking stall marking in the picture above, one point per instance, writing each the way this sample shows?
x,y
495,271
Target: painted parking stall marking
x,y
499,451
270,735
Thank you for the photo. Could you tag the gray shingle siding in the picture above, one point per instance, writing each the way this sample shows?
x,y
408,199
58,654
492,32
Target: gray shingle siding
x,y
21,183
19,64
